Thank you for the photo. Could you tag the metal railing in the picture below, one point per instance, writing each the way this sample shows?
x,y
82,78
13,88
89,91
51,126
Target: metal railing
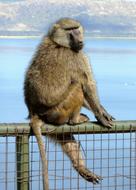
x,y
110,153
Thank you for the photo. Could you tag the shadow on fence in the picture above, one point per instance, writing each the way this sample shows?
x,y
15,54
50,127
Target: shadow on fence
x,y
110,153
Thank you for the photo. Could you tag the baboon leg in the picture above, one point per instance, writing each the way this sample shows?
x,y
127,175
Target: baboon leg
x,y
77,118
72,148
68,111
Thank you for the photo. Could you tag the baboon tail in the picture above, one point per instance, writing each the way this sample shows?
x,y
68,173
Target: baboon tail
x,y
36,126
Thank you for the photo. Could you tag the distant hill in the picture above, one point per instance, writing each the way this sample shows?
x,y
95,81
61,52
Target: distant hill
x,y
99,17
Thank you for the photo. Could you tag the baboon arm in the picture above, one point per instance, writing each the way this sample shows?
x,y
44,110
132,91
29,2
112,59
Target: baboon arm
x,y
91,96
90,89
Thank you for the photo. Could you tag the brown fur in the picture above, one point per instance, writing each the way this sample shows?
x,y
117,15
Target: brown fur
x,y
58,83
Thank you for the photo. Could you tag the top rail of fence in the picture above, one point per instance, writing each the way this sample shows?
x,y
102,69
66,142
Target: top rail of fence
x,y
14,129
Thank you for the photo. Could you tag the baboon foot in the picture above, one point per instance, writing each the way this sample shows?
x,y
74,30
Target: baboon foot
x,y
89,176
82,118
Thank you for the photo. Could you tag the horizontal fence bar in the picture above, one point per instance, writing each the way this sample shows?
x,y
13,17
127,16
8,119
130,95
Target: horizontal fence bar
x,y
15,129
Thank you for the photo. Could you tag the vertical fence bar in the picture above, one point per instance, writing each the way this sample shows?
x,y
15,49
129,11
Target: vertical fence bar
x,y
22,162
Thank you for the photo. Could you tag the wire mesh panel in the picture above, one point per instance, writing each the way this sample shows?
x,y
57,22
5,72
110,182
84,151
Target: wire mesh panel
x,y
14,162
110,155
7,163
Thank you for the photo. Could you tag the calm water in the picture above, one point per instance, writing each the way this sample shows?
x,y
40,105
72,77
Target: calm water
x,y
114,65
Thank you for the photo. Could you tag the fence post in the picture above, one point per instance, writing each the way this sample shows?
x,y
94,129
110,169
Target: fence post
x,y
22,162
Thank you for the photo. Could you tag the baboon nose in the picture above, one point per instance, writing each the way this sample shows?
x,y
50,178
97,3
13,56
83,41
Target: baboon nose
x,y
80,42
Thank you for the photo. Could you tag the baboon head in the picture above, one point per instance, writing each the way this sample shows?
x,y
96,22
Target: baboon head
x,y
67,33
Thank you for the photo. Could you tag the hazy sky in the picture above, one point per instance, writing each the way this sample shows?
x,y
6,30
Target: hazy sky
x,y
77,0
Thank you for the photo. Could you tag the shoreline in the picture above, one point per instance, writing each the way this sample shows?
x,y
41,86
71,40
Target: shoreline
x,y
112,37
86,36
19,37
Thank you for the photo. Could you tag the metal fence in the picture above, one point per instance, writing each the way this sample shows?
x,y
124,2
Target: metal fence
x,y
110,153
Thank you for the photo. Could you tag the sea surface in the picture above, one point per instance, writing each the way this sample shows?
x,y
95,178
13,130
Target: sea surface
x,y
114,67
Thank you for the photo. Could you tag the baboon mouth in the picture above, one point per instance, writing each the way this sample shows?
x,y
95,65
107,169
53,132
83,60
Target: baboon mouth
x,y
77,47
81,46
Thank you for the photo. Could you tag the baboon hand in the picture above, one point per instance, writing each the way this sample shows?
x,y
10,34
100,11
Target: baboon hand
x,y
104,117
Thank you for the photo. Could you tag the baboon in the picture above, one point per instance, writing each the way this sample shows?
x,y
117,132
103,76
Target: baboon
x,y
57,84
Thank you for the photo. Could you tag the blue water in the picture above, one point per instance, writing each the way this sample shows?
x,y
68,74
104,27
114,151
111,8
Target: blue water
x,y
114,66
113,62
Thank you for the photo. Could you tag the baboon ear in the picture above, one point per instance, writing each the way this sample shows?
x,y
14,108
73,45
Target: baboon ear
x,y
53,29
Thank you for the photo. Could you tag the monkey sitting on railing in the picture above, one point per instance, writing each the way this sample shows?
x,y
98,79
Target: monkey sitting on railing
x,y
58,83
